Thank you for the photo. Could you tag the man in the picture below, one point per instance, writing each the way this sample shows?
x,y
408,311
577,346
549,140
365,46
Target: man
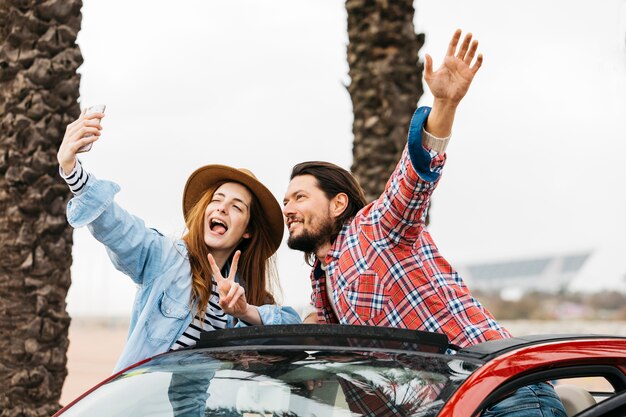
x,y
376,264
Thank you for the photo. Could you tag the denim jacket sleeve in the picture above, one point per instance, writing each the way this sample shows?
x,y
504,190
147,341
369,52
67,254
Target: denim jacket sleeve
x,y
273,314
133,248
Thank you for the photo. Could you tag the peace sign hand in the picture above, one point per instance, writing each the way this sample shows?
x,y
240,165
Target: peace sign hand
x,y
232,295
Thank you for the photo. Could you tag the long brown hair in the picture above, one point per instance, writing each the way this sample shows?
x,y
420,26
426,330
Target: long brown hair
x,y
257,264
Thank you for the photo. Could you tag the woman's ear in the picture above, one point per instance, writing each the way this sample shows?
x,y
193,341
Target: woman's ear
x,y
338,205
246,235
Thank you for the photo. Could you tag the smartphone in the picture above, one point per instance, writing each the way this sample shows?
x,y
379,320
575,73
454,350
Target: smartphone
x,y
98,108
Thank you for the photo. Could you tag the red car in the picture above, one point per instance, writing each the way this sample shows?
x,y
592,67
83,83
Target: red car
x,y
333,370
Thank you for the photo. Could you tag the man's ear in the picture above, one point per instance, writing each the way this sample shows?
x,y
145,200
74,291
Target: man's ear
x,y
338,204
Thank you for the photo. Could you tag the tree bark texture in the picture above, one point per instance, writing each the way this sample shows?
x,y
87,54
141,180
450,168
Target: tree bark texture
x,y
386,82
39,89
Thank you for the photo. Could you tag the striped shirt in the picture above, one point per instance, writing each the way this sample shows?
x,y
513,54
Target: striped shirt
x,y
214,319
77,179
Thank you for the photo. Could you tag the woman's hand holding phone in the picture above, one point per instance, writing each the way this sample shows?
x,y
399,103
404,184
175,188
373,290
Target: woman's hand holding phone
x,y
80,134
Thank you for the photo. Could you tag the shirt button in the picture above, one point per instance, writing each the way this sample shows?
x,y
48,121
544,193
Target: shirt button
x,y
168,311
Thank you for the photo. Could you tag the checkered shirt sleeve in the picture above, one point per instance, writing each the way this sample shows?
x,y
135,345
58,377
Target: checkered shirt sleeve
x,y
384,269
398,215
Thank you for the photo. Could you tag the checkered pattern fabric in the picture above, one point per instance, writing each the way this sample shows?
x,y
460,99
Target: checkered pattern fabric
x,y
385,270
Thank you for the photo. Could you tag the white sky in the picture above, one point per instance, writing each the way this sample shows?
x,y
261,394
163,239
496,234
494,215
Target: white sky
x,y
535,166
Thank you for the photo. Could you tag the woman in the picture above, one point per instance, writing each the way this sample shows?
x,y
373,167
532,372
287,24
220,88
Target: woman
x,y
232,219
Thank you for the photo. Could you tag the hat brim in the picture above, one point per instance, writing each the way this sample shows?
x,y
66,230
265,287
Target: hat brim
x,y
205,177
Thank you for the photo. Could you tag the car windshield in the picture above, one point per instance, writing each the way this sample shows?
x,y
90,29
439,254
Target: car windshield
x,y
280,383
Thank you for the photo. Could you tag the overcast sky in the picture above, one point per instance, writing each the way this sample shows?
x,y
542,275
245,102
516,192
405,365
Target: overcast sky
x,y
535,166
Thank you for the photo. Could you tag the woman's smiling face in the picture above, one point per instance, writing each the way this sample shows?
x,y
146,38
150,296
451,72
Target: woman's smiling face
x,y
226,218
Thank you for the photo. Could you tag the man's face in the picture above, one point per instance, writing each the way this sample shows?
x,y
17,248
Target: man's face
x,y
307,214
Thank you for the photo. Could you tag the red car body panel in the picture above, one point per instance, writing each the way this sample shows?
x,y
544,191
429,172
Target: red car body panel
x,y
466,400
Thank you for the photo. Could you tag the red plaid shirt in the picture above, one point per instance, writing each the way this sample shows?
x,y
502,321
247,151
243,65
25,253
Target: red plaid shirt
x,y
385,269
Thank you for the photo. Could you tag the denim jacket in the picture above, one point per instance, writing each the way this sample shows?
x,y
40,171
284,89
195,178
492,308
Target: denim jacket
x,y
157,264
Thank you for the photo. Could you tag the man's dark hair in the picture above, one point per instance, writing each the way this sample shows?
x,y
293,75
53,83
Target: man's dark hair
x,y
332,180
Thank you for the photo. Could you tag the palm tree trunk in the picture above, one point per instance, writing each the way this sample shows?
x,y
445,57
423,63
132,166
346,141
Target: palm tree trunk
x,y
38,98
386,84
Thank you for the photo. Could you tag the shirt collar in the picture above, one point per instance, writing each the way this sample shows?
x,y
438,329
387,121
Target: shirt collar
x,y
335,250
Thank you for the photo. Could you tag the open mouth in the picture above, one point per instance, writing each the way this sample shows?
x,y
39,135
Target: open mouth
x,y
218,226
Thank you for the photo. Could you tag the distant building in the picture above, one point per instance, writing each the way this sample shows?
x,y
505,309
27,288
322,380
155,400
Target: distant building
x,y
547,274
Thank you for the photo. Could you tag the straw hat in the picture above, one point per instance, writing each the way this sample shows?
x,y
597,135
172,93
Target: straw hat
x,y
203,178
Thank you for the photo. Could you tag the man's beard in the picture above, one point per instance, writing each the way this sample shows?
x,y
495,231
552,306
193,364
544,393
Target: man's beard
x,y
310,240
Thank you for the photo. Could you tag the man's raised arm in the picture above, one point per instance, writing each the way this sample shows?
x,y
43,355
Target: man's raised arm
x,y
450,82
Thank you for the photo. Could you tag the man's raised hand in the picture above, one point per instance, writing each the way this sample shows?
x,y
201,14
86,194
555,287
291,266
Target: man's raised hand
x,y
450,82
